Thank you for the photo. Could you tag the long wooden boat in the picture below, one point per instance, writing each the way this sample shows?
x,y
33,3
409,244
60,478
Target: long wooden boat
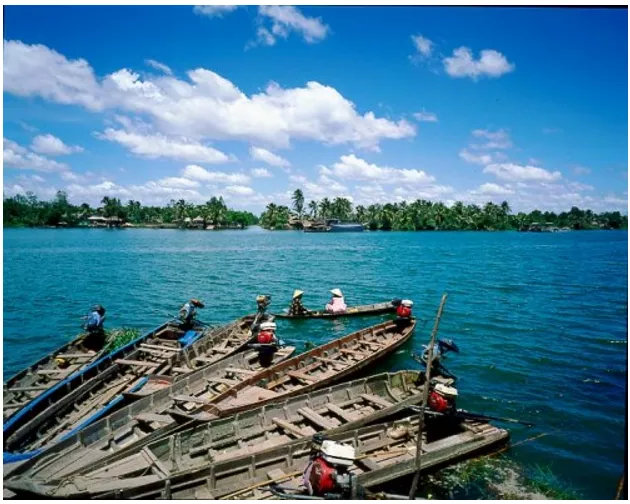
x,y
99,389
30,382
316,368
353,311
384,453
101,452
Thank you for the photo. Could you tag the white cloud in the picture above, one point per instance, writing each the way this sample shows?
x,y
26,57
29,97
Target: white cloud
x,y
260,154
53,146
203,106
499,139
214,10
354,168
286,19
36,70
177,183
194,172
515,173
425,116
239,190
159,66
157,145
493,189
16,156
471,157
260,173
581,170
423,45
463,64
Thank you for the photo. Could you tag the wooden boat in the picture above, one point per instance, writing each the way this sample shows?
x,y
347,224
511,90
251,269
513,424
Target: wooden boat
x,y
333,409
99,389
371,309
26,385
316,368
384,453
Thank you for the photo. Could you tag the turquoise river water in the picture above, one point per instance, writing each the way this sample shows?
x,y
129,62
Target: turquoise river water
x,y
541,319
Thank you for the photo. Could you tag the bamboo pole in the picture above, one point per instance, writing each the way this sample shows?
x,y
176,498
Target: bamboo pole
x,y
425,397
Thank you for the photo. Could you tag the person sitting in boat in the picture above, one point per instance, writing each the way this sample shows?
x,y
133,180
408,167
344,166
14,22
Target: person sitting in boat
x,y
297,308
95,337
404,313
188,312
337,303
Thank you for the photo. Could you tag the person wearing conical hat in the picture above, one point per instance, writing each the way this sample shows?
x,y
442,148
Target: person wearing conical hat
x,y
337,303
297,308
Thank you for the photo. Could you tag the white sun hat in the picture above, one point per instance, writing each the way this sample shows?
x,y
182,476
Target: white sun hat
x,y
407,302
446,391
297,293
336,293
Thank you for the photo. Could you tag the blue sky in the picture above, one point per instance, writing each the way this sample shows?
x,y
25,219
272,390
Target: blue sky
x,y
375,104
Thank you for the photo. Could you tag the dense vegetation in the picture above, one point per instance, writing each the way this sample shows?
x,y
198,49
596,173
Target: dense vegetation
x,y
423,215
29,211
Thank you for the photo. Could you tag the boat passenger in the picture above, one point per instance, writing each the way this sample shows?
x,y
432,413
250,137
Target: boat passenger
x,y
337,303
297,308
268,342
188,312
95,337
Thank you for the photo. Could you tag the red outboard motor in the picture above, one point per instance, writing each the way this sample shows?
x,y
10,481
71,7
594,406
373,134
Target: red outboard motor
x,y
442,398
328,471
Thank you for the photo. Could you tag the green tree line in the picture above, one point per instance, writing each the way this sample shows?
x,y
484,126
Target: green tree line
x,y
29,211
423,215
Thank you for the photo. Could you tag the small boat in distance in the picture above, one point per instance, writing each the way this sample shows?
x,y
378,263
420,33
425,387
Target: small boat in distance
x,y
333,226
371,309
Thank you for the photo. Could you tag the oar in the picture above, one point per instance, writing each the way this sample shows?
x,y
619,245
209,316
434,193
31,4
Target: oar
x,y
473,416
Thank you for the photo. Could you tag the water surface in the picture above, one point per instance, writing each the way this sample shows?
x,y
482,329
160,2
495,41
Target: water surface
x,y
541,319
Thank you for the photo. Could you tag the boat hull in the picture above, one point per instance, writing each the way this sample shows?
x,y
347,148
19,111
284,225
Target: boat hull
x,y
355,311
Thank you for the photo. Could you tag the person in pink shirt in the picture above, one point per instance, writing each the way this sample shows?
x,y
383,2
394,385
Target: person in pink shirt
x,y
337,303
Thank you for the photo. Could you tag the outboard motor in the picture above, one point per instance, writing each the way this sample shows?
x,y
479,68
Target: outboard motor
x,y
442,398
188,312
328,472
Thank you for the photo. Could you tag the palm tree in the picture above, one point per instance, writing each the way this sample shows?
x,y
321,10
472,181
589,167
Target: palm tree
x,y
298,202
325,208
312,206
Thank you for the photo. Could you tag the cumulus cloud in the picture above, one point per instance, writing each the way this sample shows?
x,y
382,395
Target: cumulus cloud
x,y
195,172
239,190
17,156
499,139
423,45
36,70
463,64
159,66
52,146
475,158
205,105
260,173
260,154
493,189
157,145
214,10
515,173
353,168
286,19
425,116
581,170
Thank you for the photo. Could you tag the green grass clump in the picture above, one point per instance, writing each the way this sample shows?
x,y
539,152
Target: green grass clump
x,y
117,338
543,480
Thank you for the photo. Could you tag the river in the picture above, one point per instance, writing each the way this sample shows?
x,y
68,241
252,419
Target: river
x,y
541,319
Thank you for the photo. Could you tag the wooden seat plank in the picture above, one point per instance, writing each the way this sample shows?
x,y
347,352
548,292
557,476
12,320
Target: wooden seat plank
x,y
223,381
341,413
75,356
301,376
126,362
316,418
159,347
153,417
33,388
289,427
378,401
185,398
248,372
352,352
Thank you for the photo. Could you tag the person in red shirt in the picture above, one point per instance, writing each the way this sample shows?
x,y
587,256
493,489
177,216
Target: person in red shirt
x,y
267,334
404,313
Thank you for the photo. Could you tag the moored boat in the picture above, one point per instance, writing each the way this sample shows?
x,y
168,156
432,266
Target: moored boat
x,y
332,409
375,454
353,311
100,388
323,365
